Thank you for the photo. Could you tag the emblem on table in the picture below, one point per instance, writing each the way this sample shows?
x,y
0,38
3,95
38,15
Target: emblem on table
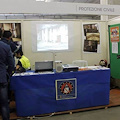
x,y
66,89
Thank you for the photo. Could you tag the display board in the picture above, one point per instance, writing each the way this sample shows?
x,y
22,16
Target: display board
x,y
114,45
91,38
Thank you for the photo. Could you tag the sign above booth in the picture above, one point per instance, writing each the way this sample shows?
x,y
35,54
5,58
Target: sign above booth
x,y
98,10
56,8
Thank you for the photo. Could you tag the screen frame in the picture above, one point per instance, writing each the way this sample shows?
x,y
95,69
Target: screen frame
x,y
70,35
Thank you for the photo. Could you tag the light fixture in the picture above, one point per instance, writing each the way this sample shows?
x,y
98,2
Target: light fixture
x,y
44,0
40,0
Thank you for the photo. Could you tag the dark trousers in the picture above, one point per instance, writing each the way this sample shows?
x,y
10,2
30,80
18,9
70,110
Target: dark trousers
x,y
4,106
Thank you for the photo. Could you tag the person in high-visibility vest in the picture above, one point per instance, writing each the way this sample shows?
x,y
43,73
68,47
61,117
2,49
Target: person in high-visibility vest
x,y
23,62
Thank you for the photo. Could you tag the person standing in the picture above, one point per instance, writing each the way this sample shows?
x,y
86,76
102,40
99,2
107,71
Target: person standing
x,y
6,68
6,38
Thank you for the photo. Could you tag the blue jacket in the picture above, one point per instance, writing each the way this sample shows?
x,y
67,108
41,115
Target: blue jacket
x,y
6,62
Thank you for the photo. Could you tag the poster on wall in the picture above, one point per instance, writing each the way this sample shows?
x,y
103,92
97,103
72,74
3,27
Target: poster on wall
x,y
14,28
91,38
114,34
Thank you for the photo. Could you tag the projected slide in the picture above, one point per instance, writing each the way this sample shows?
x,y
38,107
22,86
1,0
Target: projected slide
x,y
52,37
55,36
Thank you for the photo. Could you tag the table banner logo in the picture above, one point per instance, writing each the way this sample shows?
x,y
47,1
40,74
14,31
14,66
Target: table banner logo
x,y
66,89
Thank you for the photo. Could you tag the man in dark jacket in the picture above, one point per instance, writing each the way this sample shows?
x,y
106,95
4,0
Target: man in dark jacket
x,y
6,38
6,68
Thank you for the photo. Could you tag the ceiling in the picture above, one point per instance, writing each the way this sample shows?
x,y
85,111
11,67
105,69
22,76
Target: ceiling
x,y
75,1
44,16
111,2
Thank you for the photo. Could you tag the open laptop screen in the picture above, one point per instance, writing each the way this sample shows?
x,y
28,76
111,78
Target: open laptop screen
x,y
43,66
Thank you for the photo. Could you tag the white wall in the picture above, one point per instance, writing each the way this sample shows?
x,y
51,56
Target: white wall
x,y
66,57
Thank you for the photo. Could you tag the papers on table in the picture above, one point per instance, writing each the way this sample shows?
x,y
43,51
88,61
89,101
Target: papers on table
x,y
92,68
31,73
97,68
80,69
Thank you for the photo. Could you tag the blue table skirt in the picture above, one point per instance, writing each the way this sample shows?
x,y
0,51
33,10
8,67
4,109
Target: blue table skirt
x,y
36,94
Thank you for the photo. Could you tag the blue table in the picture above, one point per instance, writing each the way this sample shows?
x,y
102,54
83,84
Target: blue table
x,y
36,94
